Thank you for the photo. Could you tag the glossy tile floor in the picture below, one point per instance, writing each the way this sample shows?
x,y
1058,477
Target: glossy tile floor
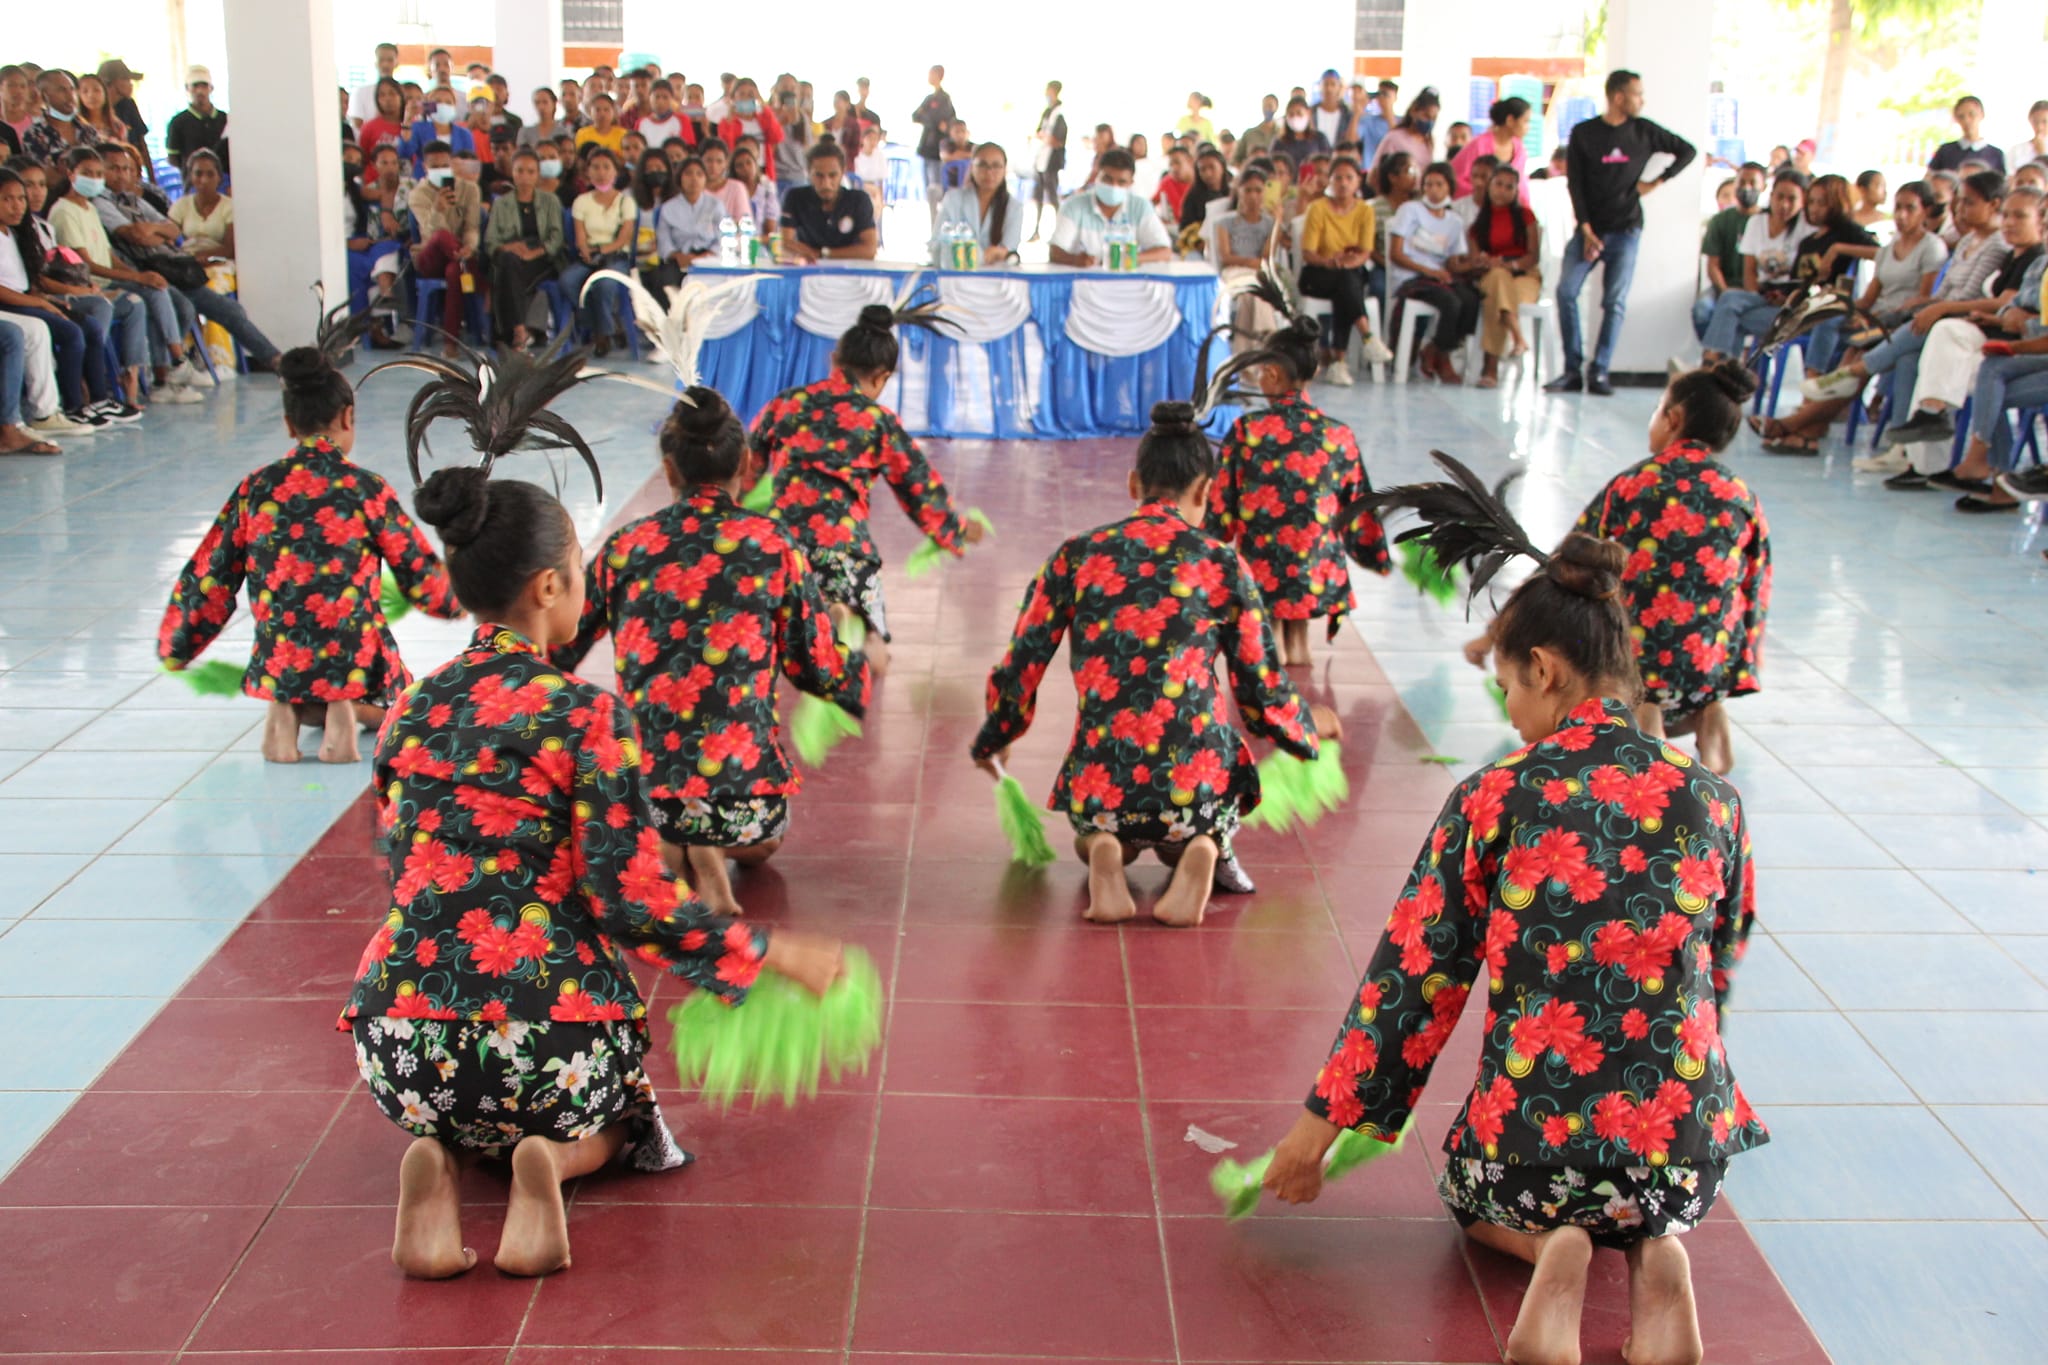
x,y
192,1174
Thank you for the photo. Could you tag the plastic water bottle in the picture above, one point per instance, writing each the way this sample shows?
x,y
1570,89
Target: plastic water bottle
x,y
728,242
951,256
970,248
750,244
1118,242
1130,246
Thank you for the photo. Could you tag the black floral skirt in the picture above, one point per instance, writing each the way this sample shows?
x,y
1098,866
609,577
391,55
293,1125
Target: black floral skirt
x,y
1163,832
852,582
482,1086
741,823
1618,1206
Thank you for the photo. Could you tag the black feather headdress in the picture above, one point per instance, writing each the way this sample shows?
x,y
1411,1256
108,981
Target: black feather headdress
x,y
503,404
1463,521
337,331
930,315
1270,287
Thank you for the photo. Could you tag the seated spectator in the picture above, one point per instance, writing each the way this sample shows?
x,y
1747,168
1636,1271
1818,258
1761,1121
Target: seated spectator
x,y
545,125
605,129
375,237
494,177
1309,184
205,216
96,113
1414,134
1242,244
1505,241
1172,191
1781,160
720,185
871,168
1081,236
1226,143
1428,261
761,192
1211,187
1946,186
605,224
1468,204
501,106
1969,145
1872,199
1770,245
686,230
845,127
1336,252
1195,122
2032,176
1802,157
552,177
1151,170
632,147
1724,195
1557,168
1457,138
17,107
1280,189
789,154
1828,255
447,217
440,124
199,126
16,436
958,143
77,353
984,202
66,277
1104,140
823,220
53,135
524,243
697,112
1721,244
665,120
1298,141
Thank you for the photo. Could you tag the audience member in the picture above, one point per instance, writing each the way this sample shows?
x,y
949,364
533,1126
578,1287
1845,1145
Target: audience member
x,y
1081,236
687,228
821,220
1298,141
1504,242
1428,263
933,115
1048,157
666,119
447,216
1456,138
1414,133
1721,244
1802,157
78,352
750,118
1873,199
1337,239
1378,121
1258,139
95,111
203,214
984,204
1467,205
17,107
50,138
761,192
604,221
1211,186
199,126
1195,122
547,123
1503,142
66,276
1331,115
2034,148
604,128
1173,187
1557,168
1970,144
1770,245
120,84
524,243
362,104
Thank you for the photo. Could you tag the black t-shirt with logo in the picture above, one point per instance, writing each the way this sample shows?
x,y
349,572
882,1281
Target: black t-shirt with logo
x,y
851,214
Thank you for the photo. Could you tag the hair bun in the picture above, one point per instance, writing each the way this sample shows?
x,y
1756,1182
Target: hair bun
x,y
1588,567
1173,418
455,502
879,315
303,367
702,413
1733,378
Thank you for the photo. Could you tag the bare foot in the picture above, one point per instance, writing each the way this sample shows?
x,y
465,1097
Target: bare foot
x,y
1187,895
1109,891
281,734
1546,1329
1716,743
877,651
708,876
536,1236
338,744
428,1244
1664,1322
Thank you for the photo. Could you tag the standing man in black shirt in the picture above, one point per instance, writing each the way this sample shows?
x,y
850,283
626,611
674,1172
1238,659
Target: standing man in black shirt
x,y
935,116
199,124
1605,164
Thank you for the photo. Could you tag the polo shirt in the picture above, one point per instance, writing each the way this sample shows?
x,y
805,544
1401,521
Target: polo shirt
x,y
1083,230
851,214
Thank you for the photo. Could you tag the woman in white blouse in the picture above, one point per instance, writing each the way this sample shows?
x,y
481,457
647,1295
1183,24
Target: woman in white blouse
x,y
204,215
984,203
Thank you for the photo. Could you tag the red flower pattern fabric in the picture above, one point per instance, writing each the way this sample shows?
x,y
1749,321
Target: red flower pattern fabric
x,y
1698,578
310,534
1600,929
523,865
1284,474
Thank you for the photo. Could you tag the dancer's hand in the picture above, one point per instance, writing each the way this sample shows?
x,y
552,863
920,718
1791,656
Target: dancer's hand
x,y
1327,724
1476,650
811,960
1296,1173
993,764
973,532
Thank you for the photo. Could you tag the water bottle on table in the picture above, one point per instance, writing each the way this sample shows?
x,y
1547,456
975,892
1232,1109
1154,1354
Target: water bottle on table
x,y
750,247
728,242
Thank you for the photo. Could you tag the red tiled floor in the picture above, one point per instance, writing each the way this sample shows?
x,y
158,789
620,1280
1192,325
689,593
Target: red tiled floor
x,y
816,1154
1231,1054
1242,970
481,1355
969,1152
1010,964
356,1163
354,888
228,1045
1074,1051
284,961
1036,1284
1398,1185
634,1355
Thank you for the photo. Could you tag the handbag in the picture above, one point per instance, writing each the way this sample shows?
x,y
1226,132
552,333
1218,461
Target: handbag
x,y
179,270
66,266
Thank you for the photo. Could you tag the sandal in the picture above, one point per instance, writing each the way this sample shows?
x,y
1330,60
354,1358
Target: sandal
x,y
32,446
1792,445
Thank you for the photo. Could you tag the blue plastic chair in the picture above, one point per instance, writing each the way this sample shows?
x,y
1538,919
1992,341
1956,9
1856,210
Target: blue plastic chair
x,y
1775,365
427,308
560,312
2028,442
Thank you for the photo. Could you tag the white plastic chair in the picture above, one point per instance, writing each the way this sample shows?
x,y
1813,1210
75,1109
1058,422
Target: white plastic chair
x,y
1320,308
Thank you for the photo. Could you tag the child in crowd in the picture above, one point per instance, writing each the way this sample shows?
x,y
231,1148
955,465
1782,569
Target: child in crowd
x,y
826,443
706,603
1148,605
1285,472
312,533
494,1013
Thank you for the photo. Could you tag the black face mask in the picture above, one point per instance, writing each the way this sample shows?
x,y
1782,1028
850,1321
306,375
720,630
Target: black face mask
x,y
656,176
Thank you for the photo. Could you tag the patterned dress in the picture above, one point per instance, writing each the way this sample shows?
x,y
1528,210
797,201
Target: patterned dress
x,y
1599,883
1152,605
826,444
495,1001
706,603
1698,580
1285,473
311,534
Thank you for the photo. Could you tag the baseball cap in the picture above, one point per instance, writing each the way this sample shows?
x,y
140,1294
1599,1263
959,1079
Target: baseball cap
x,y
1809,146
198,75
1333,74
114,69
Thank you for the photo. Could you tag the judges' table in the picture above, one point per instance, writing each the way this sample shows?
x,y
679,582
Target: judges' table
x,y
1040,352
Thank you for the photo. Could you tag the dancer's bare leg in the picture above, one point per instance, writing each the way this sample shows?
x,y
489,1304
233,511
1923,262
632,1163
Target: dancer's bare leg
x,y
1294,644
1715,740
536,1236
1109,891
428,1243
1664,1321
1187,895
708,876
1546,1330
1650,719
675,860
338,744
753,855
281,733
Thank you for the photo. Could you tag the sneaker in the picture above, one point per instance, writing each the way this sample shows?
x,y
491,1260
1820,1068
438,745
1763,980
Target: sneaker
x,y
1338,373
1597,384
1834,384
197,375
1910,481
1231,879
1376,352
1972,503
1922,426
176,393
1948,478
2033,484
59,427
1888,461
114,410
86,417
1571,381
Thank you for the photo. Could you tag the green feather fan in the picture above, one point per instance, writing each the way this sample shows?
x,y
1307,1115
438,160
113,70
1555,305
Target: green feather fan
x,y
1292,790
214,678
761,497
1023,824
1419,566
818,727
782,1039
931,554
1237,1183
393,599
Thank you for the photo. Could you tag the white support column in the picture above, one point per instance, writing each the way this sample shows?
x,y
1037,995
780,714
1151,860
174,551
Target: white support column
x,y
287,144
1437,41
1669,44
527,51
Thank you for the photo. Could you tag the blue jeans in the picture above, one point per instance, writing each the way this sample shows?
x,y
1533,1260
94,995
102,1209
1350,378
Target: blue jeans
x,y
2004,383
67,348
170,319
227,311
600,313
1702,313
1737,314
1618,257
12,359
118,316
1899,356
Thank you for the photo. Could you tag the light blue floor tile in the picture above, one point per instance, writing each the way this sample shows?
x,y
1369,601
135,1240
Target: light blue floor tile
x,y
1977,747
1806,1059
26,878
1768,787
166,729
1964,1058
1825,840
13,760
118,886
42,623
67,690
1910,972
2005,1138
1860,746
2010,842
2029,950
137,657
1769,979
230,827
244,776
2024,788
1917,1293
81,826
65,1044
25,1115
41,957
32,727
1996,902
1877,1163
1905,791
1793,901
71,775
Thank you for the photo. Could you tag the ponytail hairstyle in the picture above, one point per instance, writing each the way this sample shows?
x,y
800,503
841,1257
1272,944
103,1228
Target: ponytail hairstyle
x,y
869,347
1390,169
1572,606
702,440
999,202
1713,398
315,393
1174,453
497,534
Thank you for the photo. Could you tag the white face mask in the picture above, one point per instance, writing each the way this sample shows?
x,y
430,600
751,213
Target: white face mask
x,y
1297,122
1439,204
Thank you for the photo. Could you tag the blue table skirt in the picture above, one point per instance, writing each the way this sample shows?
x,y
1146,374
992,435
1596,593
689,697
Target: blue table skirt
x,y
1033,384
